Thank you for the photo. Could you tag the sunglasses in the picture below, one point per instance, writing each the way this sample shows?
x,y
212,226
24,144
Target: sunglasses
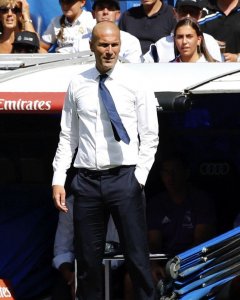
x,y
189,10
24,49
14,10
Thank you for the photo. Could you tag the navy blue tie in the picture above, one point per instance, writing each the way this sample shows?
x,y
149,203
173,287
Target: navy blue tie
x,y
120,133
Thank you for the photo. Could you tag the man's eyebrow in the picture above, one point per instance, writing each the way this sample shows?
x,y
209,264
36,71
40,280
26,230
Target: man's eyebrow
x,y
106,43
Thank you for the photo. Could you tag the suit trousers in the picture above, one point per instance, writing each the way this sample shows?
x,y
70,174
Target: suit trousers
x,y
97,194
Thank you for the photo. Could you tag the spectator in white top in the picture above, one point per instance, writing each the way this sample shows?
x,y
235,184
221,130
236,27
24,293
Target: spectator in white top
x,y
69,31
109,10
189,43
163,49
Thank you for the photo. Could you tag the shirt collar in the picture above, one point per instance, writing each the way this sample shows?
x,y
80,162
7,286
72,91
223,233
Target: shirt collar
x,y
201,59
76,22
162,8
111,73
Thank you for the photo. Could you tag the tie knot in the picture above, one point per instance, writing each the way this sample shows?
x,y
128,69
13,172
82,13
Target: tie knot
x,y
103,77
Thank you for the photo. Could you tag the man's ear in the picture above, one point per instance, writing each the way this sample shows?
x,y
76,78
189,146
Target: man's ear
x,y
91,46
118,14
93,14
175,13
83,3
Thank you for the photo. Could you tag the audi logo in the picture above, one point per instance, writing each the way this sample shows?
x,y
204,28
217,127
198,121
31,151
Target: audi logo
x,y
214,169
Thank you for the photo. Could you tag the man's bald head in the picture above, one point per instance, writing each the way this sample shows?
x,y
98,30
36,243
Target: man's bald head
x,y
105,44
105,27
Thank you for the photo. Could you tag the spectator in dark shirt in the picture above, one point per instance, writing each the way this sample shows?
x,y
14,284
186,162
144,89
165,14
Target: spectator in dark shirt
x,y
181,216
149,22
222,21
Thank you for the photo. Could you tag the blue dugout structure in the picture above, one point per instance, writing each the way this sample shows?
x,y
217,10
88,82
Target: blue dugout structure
x,y
201,272
28,224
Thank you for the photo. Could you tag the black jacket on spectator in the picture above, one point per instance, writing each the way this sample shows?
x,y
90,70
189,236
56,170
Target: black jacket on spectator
x,y
222,27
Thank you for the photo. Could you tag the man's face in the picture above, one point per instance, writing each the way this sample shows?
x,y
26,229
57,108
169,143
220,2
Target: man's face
x,y
71,9
106,47
106,12
24,48
174,175
149,2
188,11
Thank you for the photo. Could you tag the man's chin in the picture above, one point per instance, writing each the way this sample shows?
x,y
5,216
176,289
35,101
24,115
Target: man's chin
x,y
109,64
105,19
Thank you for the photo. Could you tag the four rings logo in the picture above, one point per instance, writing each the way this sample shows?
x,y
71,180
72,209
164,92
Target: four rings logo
x,y
214,168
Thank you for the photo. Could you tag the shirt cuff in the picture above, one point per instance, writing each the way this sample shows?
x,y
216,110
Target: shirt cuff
x,y
59,178
141,176
62,258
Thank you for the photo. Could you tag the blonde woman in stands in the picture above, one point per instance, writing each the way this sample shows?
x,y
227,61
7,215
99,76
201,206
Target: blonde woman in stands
x,y
14,17
189,43
70,32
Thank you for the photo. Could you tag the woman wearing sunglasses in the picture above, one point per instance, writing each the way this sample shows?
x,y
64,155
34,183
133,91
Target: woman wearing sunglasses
x,y
14,17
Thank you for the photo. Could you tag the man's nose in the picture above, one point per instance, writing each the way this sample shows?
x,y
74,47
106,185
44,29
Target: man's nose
x,y
109,49
105,10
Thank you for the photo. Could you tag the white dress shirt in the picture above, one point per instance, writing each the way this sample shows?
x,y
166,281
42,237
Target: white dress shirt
x,y
165,49
74,35
85,125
